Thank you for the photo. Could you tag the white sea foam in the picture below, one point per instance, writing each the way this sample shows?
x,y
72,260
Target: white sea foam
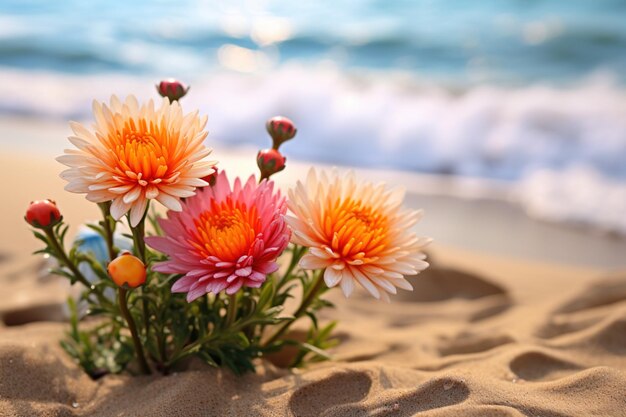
x,y
563,148
578,194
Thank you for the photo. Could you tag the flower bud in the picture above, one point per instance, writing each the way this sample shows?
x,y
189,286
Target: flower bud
x,y
211,178
128,270
43,214
270,161
172,89
281,129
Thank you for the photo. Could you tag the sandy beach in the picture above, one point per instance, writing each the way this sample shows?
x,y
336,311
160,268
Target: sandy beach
x,y
503,121
481,335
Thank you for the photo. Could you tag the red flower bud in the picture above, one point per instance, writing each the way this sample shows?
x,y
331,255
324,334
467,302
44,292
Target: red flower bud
x,y
128,270
172,89
281,129
43,214
270,161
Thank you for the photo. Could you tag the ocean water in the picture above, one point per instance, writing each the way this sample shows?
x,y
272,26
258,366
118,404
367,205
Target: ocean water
x,y
528,92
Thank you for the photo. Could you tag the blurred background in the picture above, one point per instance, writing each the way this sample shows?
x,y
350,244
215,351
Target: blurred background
x,y
471,105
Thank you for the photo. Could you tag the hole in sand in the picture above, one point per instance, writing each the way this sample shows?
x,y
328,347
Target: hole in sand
x,y
436,393
431,395
465,343
564,324
438,284
538,366
337,389
36,374
49,312
609,336
605,292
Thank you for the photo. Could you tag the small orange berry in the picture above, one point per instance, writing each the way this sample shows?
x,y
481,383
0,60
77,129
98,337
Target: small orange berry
x,y
127,269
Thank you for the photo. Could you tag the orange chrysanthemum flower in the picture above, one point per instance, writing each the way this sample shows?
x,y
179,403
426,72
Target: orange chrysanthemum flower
x,y
137,154
358,232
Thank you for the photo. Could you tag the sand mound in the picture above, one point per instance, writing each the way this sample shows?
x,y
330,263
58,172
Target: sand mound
x,y
478,337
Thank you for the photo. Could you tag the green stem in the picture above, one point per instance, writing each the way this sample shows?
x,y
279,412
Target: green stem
x,y
153,218
109,229
231,313
162,349
312,294
296,255
139,232
308,298
133,331
191,347
62,256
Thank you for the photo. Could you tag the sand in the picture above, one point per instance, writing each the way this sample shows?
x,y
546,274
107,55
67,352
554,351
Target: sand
x,y
481,335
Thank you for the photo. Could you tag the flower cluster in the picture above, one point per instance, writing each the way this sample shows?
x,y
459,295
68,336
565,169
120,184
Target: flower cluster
x,y
211,275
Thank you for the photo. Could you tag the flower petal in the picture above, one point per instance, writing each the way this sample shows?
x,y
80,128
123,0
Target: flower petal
x,y
310,261
332,277
119,208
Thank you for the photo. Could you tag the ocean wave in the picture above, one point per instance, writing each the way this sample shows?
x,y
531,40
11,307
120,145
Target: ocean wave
x,y
579,195
564,147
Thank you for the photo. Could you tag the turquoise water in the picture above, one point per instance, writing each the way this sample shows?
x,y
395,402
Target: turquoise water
x,y
456,41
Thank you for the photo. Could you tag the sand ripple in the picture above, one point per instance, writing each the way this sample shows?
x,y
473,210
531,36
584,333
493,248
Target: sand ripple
x,y
474,339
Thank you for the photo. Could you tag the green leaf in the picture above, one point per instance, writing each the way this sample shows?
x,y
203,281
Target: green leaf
x,y
326,330
267,294
96,228
97,311
63,232
41,237
243,339
208,359
95,266
313,319
72,254
315,350
63,273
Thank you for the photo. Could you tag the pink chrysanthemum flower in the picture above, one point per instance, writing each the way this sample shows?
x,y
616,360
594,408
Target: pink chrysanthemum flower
x,y
358,232
224,239
136,154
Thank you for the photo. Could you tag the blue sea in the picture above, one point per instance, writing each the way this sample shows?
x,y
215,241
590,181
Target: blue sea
x,y
532,92
511,42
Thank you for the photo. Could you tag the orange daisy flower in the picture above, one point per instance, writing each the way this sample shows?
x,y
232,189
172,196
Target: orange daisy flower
x,y
359,233
136,154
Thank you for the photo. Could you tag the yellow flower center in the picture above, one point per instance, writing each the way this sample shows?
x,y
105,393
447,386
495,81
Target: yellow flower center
x,y
143,153
355,231
226,231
